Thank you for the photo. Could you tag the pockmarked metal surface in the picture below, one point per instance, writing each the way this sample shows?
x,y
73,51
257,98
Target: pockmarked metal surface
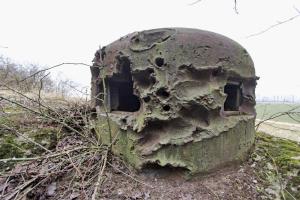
x,y
175,97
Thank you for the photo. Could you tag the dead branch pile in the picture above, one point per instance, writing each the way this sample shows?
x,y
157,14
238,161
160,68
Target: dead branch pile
x,y
78,159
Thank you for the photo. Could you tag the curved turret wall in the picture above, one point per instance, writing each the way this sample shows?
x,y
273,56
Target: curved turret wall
x,y
175,96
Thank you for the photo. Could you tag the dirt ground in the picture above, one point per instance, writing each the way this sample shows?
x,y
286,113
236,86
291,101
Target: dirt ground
x,y
234,182
230,183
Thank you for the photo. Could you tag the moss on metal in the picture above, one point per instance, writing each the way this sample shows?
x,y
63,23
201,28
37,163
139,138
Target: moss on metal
x,y
179,112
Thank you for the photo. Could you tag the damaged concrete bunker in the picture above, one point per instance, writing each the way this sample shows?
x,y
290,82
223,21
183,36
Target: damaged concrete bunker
x,y
175,97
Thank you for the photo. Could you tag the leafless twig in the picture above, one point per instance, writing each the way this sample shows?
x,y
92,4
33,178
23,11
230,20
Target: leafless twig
x,y
47,117
52,155
279,114
296,9
235,7
55,66
99,180
275,25
26,138
40,90
20,188
195,2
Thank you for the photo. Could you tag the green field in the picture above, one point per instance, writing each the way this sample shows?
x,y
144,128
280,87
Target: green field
x,y
265,110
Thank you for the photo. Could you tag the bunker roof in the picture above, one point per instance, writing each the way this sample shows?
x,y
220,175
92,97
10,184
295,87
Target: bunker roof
x,y
179,46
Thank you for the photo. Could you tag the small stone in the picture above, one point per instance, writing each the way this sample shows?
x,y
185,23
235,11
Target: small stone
x,y
120,192
51,189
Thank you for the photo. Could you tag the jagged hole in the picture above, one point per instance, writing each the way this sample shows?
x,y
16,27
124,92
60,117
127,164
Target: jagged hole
x,y
166,108
234,97
144,78
162,171
159,61
146,99
120,89
162,92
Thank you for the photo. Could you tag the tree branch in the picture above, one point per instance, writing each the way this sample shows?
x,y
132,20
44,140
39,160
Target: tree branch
x,y
26,138
235,7
296,9
275,25
289,113
195,2
46,69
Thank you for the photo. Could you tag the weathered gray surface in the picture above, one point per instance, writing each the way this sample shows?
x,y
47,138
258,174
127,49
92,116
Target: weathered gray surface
x,y
177,113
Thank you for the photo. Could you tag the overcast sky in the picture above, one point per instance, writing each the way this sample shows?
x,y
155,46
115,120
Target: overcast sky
x,y
50,32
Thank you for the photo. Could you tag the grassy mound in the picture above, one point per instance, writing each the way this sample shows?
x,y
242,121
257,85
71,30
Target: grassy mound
x,y
277,164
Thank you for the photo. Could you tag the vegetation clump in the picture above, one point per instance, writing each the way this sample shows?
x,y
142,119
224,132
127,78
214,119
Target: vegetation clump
x,y
19,134
277,164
